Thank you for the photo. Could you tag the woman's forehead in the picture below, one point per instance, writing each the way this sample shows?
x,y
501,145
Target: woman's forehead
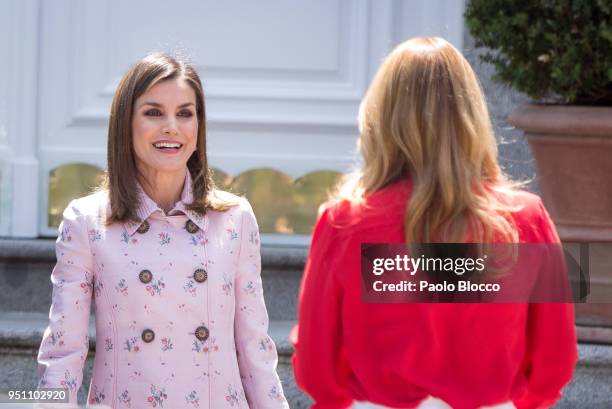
x,y
175,90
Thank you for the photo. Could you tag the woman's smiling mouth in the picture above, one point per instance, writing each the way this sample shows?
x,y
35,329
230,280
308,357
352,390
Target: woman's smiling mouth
x,y
167,147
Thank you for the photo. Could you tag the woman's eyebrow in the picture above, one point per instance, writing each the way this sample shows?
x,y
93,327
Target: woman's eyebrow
x,y
158,105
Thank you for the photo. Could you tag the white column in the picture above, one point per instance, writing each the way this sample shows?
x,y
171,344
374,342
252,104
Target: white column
x,y
21,180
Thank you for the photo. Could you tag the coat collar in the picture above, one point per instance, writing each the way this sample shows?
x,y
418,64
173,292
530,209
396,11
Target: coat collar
x,y
147,206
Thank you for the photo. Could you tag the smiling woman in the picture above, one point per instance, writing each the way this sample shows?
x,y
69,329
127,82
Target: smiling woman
x,y
172,263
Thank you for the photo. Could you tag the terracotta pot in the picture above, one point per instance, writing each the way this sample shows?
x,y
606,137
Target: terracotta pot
x,y
572,147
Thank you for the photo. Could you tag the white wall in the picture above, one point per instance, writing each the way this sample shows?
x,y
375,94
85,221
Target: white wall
x,y
282,80
19,189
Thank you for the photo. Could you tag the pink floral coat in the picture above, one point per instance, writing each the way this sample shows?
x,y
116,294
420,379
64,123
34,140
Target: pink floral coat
x,y
180,314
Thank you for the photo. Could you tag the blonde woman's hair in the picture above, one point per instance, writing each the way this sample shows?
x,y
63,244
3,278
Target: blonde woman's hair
x,y
425,117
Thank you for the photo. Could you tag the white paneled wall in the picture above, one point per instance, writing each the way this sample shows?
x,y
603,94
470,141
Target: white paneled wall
x,y
19,200
282,80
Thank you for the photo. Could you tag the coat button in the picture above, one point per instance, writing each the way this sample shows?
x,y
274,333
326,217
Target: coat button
x,y
202,333
144,227
191,227
200,275
148,335
145,276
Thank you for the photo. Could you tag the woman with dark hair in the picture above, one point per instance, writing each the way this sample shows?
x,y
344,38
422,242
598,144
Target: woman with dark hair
x,y
429,175
172,263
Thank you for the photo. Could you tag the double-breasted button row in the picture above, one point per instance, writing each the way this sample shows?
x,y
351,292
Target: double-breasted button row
x,y
190,226
200,275
201,333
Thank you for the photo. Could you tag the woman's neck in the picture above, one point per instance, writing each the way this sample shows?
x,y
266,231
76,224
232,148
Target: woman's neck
x,y
163,188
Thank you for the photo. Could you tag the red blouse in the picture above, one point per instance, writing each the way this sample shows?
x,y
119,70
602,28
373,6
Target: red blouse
x,y
398,354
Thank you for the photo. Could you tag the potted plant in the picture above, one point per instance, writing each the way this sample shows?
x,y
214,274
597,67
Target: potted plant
x,y
559,53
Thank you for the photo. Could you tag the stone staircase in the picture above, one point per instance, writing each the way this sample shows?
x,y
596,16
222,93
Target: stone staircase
x,y
25,266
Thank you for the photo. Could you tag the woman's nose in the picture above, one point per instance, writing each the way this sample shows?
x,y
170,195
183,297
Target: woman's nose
x,y
170,127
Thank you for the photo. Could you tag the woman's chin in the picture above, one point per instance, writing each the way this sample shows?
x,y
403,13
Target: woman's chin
x,y
166,166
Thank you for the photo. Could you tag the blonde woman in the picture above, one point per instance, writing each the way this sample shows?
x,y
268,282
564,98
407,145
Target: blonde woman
x,y
429,174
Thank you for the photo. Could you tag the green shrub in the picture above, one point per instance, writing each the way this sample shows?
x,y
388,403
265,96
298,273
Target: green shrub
x,y
552,50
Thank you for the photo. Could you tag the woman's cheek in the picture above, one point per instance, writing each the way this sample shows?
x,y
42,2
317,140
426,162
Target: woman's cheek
x,y
191,130
142,127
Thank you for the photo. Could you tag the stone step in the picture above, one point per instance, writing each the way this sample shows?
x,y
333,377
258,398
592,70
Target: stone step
x,y
26,265
21,332
25,268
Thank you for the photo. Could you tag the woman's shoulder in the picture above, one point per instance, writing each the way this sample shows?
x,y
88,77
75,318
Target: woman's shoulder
x,y
525,204
228,205
376,208
222,200
93,205
530,216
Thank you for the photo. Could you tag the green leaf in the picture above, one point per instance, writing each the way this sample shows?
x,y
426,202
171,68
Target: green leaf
x,y
607,34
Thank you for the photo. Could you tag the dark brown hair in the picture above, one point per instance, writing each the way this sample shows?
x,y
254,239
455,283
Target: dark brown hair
x,y
121,174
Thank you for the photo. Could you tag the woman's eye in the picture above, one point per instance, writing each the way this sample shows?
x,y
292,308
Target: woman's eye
x,y
185,113
153,112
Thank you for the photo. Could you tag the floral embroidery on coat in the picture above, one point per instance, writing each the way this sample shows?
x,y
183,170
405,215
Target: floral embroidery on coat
x,y
233,234
193,399
156,287
97,397
94,235
198,239
275,393
210,345
131,345
65,233
227,285
68,382
125,398
190,287
157,396
126,238
108,344
166,344
87,285
122,287
55,338
233,397
250,288
164,238
266,345
59,285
